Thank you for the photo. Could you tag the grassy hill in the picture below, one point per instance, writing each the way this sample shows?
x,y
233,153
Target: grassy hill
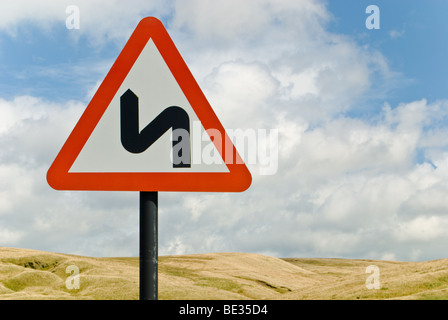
x,y
31,274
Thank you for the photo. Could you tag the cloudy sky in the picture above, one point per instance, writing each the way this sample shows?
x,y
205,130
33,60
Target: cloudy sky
x,y
361,116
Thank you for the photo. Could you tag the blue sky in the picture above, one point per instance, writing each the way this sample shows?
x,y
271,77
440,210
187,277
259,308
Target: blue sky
x,y
410,37
44,64
361,116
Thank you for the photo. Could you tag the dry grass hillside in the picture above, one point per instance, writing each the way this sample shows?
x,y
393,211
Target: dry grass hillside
x,y
31,274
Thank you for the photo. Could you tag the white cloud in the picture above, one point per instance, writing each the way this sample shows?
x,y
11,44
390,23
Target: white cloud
x,y
9,237
252,21
394,34
240,91
30,124
345,186
389,257
31,213
101,21
359,194
422,228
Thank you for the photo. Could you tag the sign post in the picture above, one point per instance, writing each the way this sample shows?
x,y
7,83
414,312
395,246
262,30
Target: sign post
x,y
122,141
148,246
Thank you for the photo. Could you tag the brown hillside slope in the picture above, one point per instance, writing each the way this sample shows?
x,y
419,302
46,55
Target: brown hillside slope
x,y
31,274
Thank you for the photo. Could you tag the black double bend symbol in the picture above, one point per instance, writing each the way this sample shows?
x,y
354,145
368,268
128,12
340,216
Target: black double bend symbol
x,y
136,141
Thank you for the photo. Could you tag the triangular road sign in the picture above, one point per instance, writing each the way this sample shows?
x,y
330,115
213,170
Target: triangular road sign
x,y
146,126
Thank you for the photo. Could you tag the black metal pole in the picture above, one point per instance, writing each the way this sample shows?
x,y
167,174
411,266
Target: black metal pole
x,y
148,246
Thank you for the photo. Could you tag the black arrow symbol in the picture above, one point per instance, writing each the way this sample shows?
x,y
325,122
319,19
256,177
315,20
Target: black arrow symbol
x,y
136,141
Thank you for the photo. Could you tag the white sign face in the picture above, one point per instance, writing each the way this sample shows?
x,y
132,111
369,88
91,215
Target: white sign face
x,y
154,85
149,127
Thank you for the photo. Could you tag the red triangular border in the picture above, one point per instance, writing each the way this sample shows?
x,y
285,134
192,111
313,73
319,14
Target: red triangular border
x,y
58,176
